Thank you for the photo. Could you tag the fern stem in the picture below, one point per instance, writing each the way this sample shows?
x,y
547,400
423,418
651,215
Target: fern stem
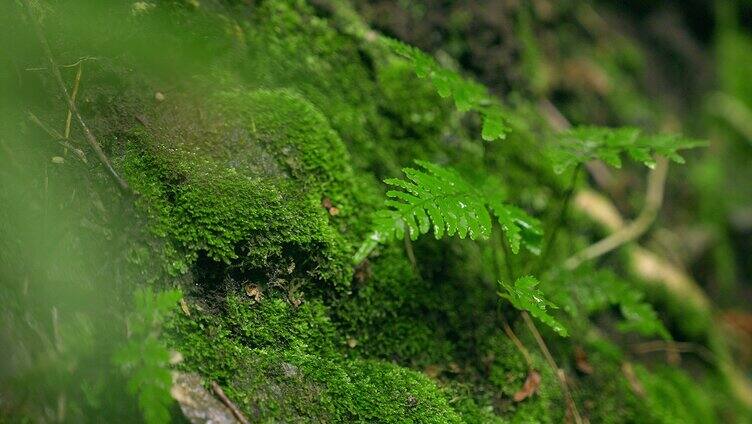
x,y
517,342
555,368
553,229
411,254
507,256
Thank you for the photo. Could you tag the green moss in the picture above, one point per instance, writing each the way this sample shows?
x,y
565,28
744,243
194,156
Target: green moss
x,y
215,344
391,313
200,206
386,392
289,46
251,188
417,109
284,387
303,143
281,364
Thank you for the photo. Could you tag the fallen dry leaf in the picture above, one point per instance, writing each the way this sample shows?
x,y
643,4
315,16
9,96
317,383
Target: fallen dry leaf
x,y
254,292
634,382
581,361
529,388
363,272
432,371
184,307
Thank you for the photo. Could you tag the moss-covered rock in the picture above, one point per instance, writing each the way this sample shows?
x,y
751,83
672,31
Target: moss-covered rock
x,y
282,364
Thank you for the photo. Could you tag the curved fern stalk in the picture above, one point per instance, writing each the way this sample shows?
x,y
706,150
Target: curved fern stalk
x,y
438,199
467,95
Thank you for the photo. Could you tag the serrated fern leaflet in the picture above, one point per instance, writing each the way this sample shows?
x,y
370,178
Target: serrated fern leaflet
x,y
525,295
438,199
467,95
582,144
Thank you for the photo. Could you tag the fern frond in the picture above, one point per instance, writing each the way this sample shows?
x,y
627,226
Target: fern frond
x,y
590,291
467,95
525,295
438,199
582,144
434,198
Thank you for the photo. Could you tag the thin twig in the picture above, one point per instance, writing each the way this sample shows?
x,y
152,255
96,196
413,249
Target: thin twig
x,y
71,65
72,105
55,135
228,403
676,347
507,256
555,368
510,333
633,230
74,93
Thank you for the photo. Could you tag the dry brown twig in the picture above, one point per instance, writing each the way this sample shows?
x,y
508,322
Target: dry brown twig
x,y
55,135
633,230
671,347
74,93
71,104
560,377
217,389
520,347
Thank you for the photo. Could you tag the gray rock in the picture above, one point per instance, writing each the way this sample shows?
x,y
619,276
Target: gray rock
x,y
197,404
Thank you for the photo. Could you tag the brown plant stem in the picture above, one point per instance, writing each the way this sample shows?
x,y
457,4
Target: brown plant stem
x,y
555,368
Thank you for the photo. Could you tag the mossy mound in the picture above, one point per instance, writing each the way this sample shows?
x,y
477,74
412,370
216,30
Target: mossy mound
x,y
250,189
283,364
